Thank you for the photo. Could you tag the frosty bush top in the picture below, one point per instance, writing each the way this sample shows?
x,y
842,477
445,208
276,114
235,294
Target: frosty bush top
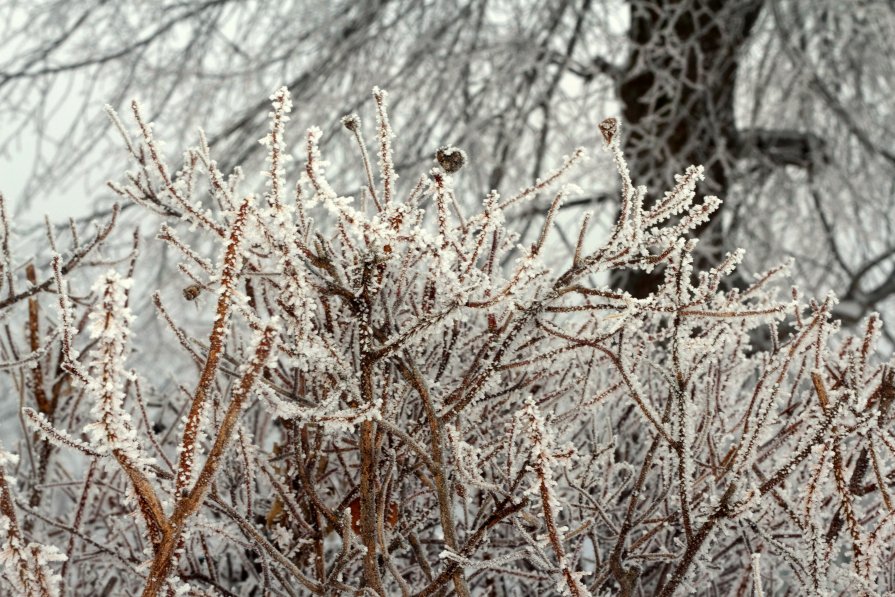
x,y
396,398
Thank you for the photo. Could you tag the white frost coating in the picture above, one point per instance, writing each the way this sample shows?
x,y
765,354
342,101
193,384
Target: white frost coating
x,y
385,136
543,461
113,429
756,575
276,145
27,565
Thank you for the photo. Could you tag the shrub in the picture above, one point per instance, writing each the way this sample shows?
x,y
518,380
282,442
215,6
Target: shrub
x,y
396,397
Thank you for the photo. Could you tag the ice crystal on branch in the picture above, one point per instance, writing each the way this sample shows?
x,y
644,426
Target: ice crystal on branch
x,y
27,566
109,326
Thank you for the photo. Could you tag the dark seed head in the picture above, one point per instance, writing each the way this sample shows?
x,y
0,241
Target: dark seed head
x,y
450,158
609,129
192,292
351,122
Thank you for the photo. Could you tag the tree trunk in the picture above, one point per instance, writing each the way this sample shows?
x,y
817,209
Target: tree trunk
x,y
677,99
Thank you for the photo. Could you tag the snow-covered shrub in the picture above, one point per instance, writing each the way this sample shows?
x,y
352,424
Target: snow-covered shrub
x,y
393,395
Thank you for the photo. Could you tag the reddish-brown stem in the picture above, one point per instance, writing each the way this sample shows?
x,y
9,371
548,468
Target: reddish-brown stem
x,y
187,505
185,462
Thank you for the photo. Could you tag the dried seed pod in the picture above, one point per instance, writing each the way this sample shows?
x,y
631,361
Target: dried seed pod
x,y
351,122
609,129
192,292
450,158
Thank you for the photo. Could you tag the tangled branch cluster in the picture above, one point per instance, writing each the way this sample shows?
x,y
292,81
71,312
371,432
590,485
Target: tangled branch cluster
x,y
396,398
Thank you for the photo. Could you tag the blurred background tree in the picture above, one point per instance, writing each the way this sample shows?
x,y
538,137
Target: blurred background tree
x,y
787,103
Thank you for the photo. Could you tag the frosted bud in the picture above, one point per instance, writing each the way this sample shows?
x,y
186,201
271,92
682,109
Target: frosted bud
x,y
450,158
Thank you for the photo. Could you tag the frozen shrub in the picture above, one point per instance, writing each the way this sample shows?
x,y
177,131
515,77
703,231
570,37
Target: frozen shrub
x,y
393,396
